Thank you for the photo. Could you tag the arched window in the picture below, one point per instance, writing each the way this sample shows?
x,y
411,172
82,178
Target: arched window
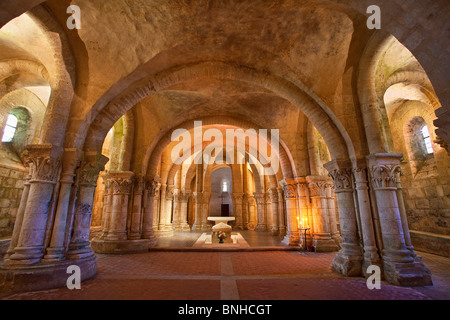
x,y
10,128
224,186
426,139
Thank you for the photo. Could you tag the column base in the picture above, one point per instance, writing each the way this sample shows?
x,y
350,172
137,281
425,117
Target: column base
x,y
414,274
25,256
291,239
325,245
261,228
347,265
43,276
120,246
79,250
275,232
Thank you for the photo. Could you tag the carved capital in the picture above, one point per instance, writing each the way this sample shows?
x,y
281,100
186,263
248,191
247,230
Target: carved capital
x,y
44,162
260,198
121,182
170,192
153,186
318,187
384,169
342,179
91,166
289,189
384,176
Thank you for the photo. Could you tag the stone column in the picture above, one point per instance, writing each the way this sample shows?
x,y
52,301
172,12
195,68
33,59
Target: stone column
x,y
304,219
205,211
151,189
290,196
399,264
198,199
245,213
349,259
332,214
176,224
273,193
107,205
19,217
403,215
269,213
237,199
184,198
371,256
281,222
91,166
252,220
136,214
165,222
44,164
56,249
121,184
260,203
322,241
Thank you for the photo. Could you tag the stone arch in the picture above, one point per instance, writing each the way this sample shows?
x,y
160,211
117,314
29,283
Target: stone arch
x,y
320,115
152,157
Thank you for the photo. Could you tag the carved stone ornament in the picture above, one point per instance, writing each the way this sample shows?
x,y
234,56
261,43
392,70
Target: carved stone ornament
x,y
89,171
153,186
384,176
121,186
318,188
43,162
342,180
290,191
259,198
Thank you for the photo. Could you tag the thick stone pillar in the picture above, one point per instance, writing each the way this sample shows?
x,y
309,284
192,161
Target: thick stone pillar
x,y
322,241
281,215
245,212
56,249
205,224
91,166
371,255
198,203
237,199
19,217
260,208
290,196
44,164
269,213
403,215
305,220
252,218
332,214
184,198
165,221
349,259
136,214
121,184
273,193
177,194
151,190
107,205
400,267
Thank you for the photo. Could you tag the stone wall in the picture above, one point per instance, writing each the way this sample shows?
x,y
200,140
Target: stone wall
x,y
12,179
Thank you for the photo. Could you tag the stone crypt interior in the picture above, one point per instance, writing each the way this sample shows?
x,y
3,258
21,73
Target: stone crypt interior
x,y
88,118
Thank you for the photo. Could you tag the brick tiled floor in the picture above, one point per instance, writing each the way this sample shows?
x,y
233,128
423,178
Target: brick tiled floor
x,y
271,275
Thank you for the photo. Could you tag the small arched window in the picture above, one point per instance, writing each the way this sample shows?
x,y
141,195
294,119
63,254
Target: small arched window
x,y
10,128
427,139
224,186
